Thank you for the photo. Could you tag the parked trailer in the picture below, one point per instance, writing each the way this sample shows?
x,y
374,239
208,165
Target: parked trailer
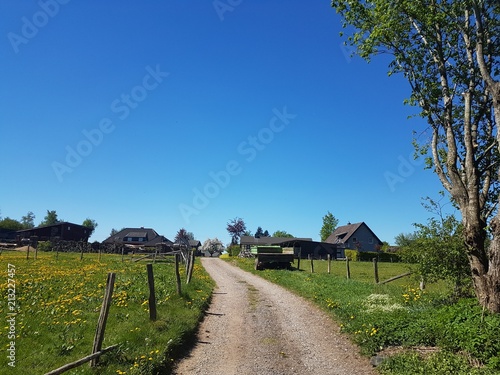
x,y
265,256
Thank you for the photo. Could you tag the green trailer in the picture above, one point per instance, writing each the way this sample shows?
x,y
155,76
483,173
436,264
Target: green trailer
x,y
268,256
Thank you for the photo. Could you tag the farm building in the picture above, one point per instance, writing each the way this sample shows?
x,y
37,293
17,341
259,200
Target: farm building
x,y
138,238
306,246
355,236
63,231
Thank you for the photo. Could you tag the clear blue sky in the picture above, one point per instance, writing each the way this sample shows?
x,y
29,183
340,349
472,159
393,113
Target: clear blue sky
x,y
171,114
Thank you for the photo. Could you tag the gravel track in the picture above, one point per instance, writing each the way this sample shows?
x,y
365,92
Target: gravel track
x,y
256,327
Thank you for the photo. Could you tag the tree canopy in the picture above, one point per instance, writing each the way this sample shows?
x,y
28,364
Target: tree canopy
x,y
236,227
50,218
91,224
449,52
330,223
282,233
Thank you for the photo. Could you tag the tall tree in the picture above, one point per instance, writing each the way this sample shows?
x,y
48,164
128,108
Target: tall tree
x,y
28,221
236,227
50,218
329,224
449,52
182,237
91,224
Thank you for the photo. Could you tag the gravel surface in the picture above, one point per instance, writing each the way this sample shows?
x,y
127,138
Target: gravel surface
x,y
256,327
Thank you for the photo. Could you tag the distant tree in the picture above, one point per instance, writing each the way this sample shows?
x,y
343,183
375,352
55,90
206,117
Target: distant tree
x,y
282,233
236,227
329,225
190,235
248,233
91,224
182,237
113,232
213,245
259,232
50,218
28,221
11,224
404,239
265,234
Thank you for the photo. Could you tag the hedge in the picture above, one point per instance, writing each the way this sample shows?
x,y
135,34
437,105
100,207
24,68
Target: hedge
x,y
367,256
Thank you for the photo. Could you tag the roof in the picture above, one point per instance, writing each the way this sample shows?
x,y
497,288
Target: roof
x,y
150,235
250,240
343,233
51,225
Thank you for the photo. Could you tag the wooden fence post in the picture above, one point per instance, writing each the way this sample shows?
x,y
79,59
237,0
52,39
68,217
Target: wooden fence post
x,y
312,263
81,253
348,268
191,267
28,252
177,275
152,298
375,269
103,317
329,263
123,251
298,260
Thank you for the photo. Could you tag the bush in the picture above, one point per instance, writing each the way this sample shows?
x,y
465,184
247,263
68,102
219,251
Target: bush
x,y
351,254
233,250
44,246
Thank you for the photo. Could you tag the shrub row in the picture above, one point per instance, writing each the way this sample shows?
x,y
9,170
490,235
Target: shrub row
x,y
367,256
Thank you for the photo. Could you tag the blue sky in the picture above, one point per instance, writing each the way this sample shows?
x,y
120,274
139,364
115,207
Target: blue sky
x,y
176,114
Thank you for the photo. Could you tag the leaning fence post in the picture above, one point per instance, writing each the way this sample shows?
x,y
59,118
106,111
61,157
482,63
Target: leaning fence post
x,y
103,317
191,266
177,275
375,269
348,268
152,298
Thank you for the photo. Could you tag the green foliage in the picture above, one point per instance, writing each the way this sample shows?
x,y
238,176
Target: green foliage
x,y
329,224
44,246
11,224
282,234
28,221
367,256
438,252
50,218
233,250
91,224
351,254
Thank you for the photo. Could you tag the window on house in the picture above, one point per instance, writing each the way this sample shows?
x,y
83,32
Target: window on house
x,y
354,239
141,239
69,228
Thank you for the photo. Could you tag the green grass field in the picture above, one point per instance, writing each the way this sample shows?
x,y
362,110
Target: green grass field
x,y
58,301
398,316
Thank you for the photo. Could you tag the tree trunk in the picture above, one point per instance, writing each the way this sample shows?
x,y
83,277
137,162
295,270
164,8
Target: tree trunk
x,y
485,265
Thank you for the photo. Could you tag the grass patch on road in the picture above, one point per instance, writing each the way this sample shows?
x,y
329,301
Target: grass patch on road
x,y
58,301
398,316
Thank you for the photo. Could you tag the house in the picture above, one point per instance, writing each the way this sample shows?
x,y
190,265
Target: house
x,y
355,236
63,231
137,238
302,246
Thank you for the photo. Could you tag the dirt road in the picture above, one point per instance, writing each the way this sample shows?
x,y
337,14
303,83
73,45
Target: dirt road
x,y
256,327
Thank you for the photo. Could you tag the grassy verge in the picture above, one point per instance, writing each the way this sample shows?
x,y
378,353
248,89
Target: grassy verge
x,y
58,303
399,318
